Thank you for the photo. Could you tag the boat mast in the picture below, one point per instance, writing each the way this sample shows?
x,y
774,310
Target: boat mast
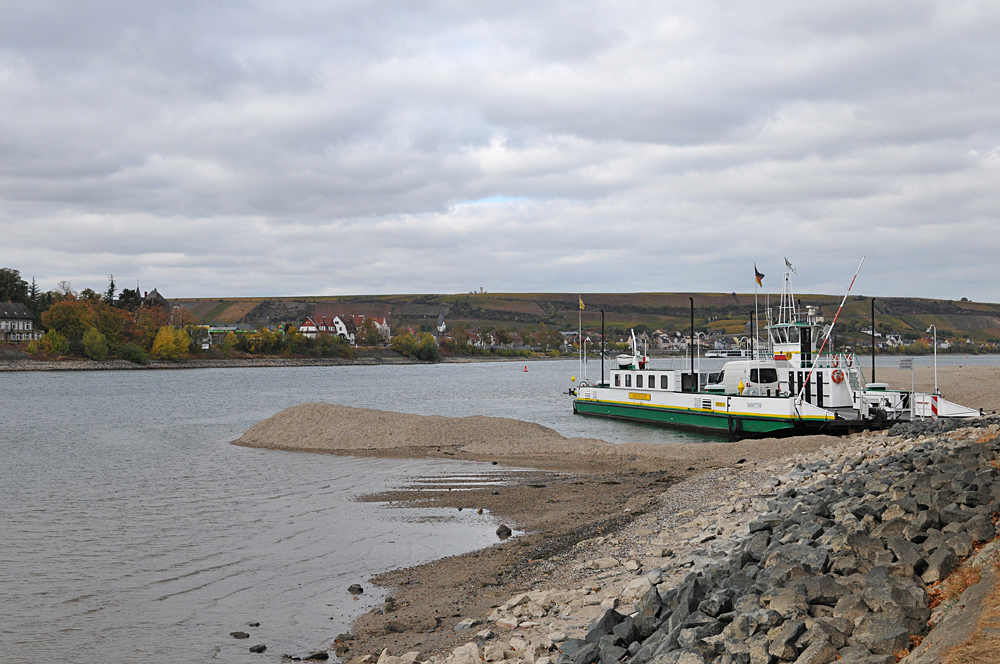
x,y
829,331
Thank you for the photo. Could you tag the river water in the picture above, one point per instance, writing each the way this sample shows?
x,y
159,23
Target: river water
x,y
131,530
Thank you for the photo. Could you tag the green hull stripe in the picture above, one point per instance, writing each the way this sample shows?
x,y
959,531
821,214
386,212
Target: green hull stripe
x,y
683,418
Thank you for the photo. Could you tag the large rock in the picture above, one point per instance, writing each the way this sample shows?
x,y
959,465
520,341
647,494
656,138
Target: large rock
x,y
941,563
783,640
812,559
603,625
882,633
789,601
980,528
822,589
588,654
819,652
864,546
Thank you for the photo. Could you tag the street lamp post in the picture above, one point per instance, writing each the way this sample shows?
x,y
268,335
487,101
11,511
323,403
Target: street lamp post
x,y
934,327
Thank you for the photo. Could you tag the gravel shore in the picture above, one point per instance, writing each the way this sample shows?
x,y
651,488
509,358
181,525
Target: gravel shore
x,y
842,554
604,524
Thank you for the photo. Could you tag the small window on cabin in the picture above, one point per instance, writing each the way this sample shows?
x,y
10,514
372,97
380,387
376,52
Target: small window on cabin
x,y
769,375
638,380
628,380
652,381
663,382
618,380
753,376
722,377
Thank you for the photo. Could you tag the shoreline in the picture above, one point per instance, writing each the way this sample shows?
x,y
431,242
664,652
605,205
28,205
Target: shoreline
x,y
366,359
599,521
537,594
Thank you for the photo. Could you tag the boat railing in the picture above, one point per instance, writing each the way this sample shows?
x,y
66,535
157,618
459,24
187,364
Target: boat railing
x,y
847,362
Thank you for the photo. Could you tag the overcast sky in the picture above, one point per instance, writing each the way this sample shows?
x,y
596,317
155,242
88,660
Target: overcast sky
x,y
311,148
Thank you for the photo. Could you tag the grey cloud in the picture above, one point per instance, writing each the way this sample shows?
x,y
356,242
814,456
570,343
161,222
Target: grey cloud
x,y
268,148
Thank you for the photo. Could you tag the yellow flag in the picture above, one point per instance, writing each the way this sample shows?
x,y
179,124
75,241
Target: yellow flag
x,y
581,303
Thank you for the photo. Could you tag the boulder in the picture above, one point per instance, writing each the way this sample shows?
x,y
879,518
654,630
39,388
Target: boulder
x,y
980,528
355,589
822,589
820,651
603,625
941,563
612,654
789,601
258,648
882,633
851,607
239,635
783,640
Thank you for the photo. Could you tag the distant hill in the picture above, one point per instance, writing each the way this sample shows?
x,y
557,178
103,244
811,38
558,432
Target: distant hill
x,y
718,313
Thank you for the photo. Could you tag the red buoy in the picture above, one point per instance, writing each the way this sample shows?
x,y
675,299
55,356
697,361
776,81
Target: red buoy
x,y
525,368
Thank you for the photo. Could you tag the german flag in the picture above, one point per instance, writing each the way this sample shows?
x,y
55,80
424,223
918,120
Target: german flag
x,y
758,275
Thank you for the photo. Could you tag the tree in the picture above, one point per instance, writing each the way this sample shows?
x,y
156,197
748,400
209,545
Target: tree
x,y
129,299
170,343
12,287
229,343
51,343
95,345
109,295
369,333
70,318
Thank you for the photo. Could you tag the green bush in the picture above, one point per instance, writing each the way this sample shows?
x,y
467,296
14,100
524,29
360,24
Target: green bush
x,y
95,344
133,353
51,343
428,349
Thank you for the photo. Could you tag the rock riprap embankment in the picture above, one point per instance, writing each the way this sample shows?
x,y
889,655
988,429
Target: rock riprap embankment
x,y
835,566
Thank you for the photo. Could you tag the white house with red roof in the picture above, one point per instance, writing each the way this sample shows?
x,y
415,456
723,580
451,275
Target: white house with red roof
x,y
342,327
345,327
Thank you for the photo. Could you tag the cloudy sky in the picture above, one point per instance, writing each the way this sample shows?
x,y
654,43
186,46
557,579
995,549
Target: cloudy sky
x,y
306,147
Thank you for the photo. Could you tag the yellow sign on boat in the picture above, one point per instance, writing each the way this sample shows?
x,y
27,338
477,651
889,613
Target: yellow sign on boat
x,y
638,395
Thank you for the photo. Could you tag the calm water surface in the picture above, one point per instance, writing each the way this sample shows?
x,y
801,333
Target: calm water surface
x,y
130,529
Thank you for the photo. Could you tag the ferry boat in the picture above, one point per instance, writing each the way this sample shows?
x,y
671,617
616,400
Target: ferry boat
x,y
790,388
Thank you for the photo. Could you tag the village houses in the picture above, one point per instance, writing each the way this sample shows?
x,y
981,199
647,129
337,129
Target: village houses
x,y
345,327
17,323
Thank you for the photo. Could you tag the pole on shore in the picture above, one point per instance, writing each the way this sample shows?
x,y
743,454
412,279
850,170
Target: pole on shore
x,y
873,340
602,347
694,377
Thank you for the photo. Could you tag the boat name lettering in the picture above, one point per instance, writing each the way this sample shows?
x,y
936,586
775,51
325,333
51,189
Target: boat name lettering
x,y
754,404
638,395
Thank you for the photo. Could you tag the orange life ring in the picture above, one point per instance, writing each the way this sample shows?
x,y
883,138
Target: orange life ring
x,y
850,360
836,360
837,376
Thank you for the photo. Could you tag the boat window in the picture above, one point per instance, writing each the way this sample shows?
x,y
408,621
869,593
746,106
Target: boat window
x,y
628,380
721,378
663,382
638,380
793,335
618,380
769,375
753,376
652,381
